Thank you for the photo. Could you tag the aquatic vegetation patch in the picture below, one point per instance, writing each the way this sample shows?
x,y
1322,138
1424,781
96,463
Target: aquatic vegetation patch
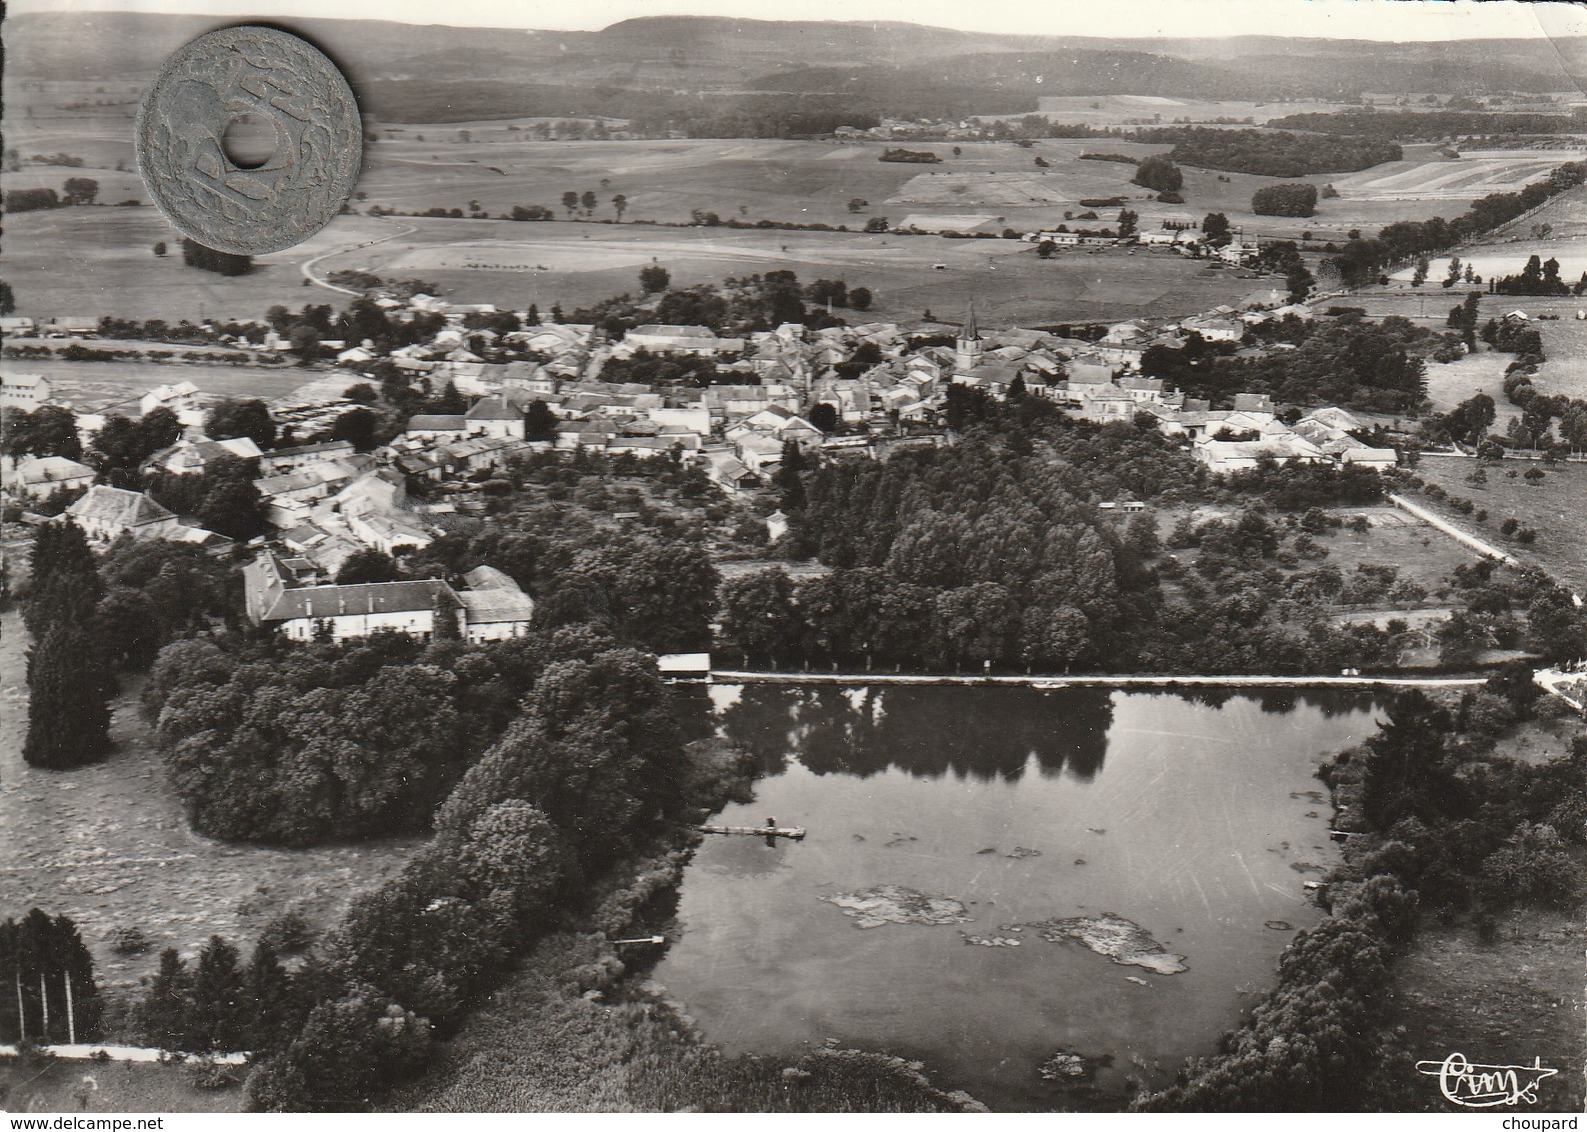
x,y
1110,934
893,904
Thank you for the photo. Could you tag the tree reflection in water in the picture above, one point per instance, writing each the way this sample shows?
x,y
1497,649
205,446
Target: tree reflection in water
x,y
972,732
980,732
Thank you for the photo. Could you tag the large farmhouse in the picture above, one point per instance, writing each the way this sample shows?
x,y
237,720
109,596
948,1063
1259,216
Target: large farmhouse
x,y
493,608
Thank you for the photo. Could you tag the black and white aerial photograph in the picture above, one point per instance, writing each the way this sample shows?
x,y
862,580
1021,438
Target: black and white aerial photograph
x,y
860,556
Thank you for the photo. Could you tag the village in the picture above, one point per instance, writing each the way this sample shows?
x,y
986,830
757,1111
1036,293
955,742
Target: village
x,y
327,500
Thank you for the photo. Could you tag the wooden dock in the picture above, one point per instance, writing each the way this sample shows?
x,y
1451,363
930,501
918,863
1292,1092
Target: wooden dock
x,y
795,833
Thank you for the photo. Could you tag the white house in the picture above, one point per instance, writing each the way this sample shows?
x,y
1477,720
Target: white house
x,y
179,398
495,417
24,390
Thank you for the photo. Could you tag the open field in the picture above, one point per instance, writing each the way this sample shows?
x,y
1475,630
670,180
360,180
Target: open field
x,y
1556,509
1496,260
1476,173
1564,368
1503,1002
1395,538
109,846
545,263
1137,109
116,386
121,1086
1450,383
100,261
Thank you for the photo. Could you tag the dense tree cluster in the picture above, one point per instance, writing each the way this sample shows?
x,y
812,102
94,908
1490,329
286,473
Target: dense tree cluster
x,y
1159,174
41,956
69,682
298,744
220,1005
122,444
1284,200
1350,361
645,589
223,497
1424,125
739,307
994,551
1271,153
1538,277
156,591
195,254
50,430
593,762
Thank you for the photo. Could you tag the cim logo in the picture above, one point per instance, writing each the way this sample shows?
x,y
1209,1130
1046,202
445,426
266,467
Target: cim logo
x,y
1486,1086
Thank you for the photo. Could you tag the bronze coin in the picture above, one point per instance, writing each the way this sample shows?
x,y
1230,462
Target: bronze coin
x,y
272,81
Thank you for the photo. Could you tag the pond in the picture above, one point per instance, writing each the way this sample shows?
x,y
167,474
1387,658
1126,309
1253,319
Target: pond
x,y
995,876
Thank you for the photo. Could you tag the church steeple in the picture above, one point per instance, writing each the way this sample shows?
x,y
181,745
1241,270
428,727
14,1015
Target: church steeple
x,y
967,351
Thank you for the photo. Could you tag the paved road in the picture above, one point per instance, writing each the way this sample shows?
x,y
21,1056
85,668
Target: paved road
x,y
307,267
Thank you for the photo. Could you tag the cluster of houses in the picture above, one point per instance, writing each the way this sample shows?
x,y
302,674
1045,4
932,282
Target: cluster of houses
x,y
877,386
1176,232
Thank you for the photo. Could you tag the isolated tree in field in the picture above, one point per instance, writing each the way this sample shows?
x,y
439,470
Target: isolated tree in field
x,y
464,136
159,248
80,190
1127,223
1419,276
653,279
860,299
1159,174
570,202
619,206
858,204
69,689
1453,276
588,202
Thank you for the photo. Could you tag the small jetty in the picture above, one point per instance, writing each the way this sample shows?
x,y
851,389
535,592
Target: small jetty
x,y
770,829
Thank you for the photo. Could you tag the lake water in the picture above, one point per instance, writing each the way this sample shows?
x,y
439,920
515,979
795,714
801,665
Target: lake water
x,y
1197,818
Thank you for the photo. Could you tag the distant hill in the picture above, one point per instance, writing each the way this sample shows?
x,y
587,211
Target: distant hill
x,y
400,70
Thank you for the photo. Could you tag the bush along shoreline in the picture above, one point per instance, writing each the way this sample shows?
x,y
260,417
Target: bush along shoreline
x,y
1436,829
546,886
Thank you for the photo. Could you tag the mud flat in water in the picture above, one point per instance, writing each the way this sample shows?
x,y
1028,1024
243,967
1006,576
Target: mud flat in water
x,y
1110,934
892,904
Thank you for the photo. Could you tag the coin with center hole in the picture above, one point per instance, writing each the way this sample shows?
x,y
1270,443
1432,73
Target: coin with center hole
x,y
249,140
